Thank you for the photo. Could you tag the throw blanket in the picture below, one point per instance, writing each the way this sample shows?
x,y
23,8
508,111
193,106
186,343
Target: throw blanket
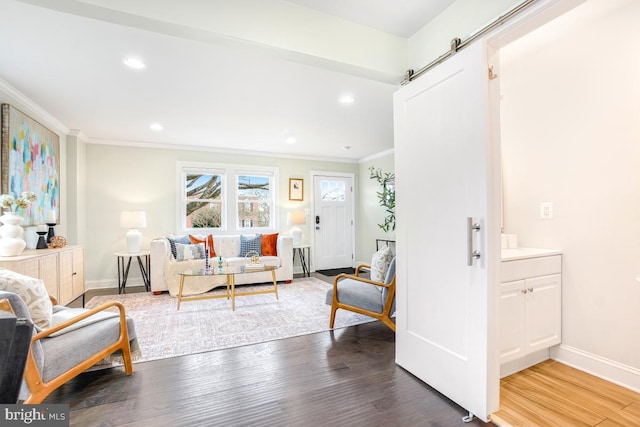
x,y
193,285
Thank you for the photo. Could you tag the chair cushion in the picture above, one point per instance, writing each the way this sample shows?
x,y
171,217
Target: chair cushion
x,y
34,294
380,263
65,351
358,294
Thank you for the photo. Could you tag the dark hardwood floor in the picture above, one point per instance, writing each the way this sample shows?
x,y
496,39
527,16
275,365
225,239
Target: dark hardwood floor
x,y
345,377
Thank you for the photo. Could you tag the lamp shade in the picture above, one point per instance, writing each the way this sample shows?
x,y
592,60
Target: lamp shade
x,y
295,218
133,219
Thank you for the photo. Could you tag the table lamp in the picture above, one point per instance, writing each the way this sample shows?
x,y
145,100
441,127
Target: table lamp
x,y
133,220
296,218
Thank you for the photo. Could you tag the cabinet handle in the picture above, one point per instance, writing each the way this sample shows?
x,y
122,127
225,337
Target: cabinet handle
x,y
530,289
524,291
74,273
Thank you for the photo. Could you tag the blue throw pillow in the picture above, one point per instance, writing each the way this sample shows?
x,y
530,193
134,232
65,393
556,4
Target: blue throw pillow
x,y
184,240
248,244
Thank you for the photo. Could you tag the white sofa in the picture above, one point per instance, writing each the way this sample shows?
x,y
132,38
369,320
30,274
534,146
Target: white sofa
x,y
164,268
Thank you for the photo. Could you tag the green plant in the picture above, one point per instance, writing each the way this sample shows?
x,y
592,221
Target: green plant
x,y
386,197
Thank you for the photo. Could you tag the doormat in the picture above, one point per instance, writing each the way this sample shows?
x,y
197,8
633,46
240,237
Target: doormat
x,y
336,271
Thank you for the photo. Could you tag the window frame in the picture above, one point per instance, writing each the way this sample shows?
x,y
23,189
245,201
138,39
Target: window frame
x,y
229,173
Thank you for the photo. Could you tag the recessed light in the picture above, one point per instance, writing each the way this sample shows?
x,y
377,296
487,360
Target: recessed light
x,y
134,63
346,99
290,140
156,126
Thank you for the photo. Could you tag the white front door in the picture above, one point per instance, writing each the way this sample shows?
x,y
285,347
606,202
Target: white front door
x,y
333,221
446,309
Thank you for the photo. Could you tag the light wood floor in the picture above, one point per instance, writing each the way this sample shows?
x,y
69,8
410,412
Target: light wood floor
x,y
554,394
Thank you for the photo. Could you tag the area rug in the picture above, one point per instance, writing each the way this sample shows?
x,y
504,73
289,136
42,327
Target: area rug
x,y
208,325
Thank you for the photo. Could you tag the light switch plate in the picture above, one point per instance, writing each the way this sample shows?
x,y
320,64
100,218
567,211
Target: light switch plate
x,y
546,210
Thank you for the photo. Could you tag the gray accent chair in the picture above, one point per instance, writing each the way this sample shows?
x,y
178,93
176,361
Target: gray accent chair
x,y
81,339
358,294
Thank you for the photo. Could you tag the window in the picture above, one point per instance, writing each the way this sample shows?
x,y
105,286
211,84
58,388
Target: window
x,y
203,191
226,198
332,190
254,201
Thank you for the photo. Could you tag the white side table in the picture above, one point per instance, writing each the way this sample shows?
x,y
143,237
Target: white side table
x,y
124,262
305,260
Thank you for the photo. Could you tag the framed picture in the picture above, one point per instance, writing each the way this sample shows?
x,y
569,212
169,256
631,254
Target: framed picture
x,y
296,189
30,158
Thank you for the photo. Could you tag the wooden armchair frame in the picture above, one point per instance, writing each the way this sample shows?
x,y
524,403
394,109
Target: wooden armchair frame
x,y
38,389
384,317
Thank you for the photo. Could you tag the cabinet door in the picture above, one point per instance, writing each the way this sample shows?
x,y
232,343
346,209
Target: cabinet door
x,y
78,272
512,300
48,272
66,277
543,312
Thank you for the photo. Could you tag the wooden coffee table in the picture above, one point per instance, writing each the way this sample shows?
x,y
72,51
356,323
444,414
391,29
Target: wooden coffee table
x,y
230,272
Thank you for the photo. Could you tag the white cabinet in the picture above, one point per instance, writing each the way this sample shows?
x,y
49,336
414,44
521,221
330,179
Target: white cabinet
x,y
530,304
62,270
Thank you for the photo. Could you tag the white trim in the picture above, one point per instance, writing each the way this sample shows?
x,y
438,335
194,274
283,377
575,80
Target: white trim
x,y
78,134
312,175
229,172
525,362
601,367
377,155
21,101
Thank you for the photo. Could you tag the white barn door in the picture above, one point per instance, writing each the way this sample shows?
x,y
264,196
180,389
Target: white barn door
x,y
443,170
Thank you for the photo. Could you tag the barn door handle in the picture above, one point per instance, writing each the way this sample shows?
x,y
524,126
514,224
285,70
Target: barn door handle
x,y
471,253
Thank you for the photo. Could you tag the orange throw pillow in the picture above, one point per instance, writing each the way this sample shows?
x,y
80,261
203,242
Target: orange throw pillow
x,y
269,244
208,244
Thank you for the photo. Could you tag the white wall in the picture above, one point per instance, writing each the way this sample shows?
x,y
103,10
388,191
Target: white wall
x,y
461,19
10,95
134,178
571,135
370,213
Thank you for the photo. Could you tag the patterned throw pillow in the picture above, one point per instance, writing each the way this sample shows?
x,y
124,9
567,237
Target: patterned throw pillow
x,y
380,263
248,244
207,241
180,239
34,294
269,244
189,252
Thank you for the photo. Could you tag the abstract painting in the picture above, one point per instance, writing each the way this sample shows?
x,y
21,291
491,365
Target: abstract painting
x,y
30,158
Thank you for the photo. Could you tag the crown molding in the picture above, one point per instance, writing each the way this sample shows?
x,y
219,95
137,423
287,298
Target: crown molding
x,y
78,134
23,102
376,156
155,145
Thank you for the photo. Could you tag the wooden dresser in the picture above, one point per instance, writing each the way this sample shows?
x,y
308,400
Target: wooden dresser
x,y
61,269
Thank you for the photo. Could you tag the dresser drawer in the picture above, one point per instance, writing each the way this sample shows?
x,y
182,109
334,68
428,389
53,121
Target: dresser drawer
x,y
530,267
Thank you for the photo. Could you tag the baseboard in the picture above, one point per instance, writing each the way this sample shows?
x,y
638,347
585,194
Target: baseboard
x,y
617,373
525,362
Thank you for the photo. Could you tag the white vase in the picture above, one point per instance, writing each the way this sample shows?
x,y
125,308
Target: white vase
x,y
11,242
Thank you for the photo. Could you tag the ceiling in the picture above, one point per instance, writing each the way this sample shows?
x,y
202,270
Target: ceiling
x,y
226,75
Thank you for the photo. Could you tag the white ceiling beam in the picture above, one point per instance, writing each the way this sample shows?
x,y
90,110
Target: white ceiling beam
x,y
271,27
